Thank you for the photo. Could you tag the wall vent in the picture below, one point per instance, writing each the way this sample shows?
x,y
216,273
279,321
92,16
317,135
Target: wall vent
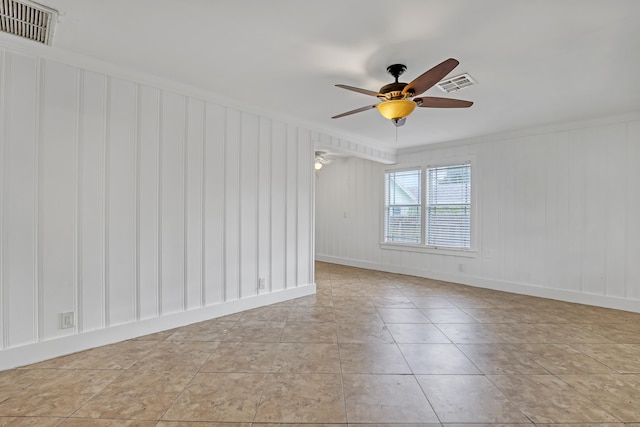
x,y
28,20
453,84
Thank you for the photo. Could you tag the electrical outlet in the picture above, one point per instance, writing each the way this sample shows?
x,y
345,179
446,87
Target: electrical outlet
x,y
261,283
461,268
67,320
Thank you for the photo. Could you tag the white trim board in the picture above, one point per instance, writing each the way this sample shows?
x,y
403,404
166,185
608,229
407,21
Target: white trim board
x,y
38,352
497,285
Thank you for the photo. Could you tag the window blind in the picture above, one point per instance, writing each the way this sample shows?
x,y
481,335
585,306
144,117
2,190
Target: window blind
x,y
403,211
448,206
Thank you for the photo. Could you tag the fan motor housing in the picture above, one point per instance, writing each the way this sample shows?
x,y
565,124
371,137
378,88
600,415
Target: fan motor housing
x,y
392,91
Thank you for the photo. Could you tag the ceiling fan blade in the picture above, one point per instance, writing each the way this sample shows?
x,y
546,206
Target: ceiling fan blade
x,y
357,89
430,77
433,102
357,110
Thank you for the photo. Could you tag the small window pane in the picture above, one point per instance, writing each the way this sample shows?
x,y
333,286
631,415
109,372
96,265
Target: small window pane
x,y
402,216
449,206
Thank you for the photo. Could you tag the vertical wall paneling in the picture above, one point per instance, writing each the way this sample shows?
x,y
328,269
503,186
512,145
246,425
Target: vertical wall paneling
x,y
278,205
632,228
148,201
57,211
232,224
77,202
173,202
291,213
194,203
91,215
19,201
3,310
121,201
265,160
214,207
614,197
594,236
248,196
124,202
304,227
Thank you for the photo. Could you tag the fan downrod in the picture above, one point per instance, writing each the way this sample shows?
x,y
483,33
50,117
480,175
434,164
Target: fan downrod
x,y
396,70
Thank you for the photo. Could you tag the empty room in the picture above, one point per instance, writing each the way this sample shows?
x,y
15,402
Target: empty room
x,y
220,213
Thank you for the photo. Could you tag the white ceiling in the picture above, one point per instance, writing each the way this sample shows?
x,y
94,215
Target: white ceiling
x,y
538,62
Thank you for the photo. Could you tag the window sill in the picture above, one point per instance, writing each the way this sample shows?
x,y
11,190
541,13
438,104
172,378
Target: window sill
x,y
466,253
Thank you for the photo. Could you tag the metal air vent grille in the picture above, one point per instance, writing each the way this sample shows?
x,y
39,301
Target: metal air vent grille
x,y
453,84
27,20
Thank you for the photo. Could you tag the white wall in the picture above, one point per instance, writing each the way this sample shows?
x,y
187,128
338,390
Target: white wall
x,y
557,214
139,208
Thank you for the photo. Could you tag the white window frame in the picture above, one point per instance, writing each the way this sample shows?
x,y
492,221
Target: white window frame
x,y
422,246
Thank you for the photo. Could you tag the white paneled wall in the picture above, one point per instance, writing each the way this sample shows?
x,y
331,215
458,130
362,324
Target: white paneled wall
x,y
126,203
557,214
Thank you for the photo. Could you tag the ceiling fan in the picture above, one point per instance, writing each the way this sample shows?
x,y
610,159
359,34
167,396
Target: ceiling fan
x,y
398,98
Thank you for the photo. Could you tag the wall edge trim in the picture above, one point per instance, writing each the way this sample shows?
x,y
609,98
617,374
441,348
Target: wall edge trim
x,y
37,352
565,295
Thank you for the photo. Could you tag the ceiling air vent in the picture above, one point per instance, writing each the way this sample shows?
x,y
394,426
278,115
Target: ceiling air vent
x,y
27,20
453,84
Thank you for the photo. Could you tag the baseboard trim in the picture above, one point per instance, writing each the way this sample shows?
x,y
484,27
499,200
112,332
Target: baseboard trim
x,y
38,352
498,285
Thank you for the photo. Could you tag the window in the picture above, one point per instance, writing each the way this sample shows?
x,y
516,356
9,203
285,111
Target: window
x,y
444,207
402,218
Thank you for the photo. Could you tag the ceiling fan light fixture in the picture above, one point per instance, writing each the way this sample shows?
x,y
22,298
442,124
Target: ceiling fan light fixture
x,y
396,109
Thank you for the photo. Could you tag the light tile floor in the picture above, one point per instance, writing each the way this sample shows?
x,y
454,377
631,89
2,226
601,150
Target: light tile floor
x,y
368,348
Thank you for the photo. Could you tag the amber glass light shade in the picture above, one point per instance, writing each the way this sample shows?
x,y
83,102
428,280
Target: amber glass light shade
x,y
396,109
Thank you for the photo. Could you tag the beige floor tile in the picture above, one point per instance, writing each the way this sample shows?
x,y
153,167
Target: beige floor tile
x,y
564,363
386,399
223,397
16,380
320,299
122,355
481,401
360,315
177,356
501,359
431,302
402,315
620,333
397,425
203,331
618,394
29,421
469,333
372,358
363,333
199,424
303,358
302,398
417,334
392,302
267,314
231,356
448,315
319,332
79,422
138,395
624,358
470,302
312,314
547,399
437,359
256,331
57,393
563,359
